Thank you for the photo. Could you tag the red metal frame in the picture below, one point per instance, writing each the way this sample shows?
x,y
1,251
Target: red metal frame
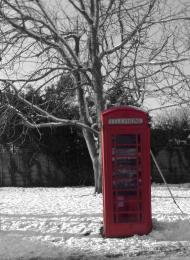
x,y
126,172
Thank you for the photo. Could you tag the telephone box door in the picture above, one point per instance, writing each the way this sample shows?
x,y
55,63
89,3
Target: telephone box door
x,y
126,177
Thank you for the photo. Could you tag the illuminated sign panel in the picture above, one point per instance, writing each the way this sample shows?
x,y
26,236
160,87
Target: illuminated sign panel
x,y
125,121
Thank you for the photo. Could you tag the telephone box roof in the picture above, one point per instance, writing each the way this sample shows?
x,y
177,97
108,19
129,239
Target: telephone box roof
x,y
124,108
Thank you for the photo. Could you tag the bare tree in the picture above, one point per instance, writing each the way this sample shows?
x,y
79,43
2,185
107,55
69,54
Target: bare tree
x,y
115,51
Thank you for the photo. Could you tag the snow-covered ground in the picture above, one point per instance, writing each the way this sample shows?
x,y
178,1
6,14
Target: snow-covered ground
x,y
64,223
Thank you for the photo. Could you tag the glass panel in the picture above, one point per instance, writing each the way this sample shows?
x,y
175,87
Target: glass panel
x,y
120,193
126,162
126,217
124,151
124,172
127,195
125,184
123,205
125,139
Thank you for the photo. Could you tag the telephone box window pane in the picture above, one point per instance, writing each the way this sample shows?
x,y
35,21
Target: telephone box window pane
x,y
133,206
124,151
125,139
127,195
120,193
123,172
126,162
125,184
125,218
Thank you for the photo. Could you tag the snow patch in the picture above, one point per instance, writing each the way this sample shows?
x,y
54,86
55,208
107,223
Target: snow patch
x,y
171,231
65,223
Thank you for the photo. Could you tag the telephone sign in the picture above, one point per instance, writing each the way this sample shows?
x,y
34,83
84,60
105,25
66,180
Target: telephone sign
x,y
126,172
125,121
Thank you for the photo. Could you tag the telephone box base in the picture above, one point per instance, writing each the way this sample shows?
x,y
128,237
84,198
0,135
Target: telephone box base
x,y
127,230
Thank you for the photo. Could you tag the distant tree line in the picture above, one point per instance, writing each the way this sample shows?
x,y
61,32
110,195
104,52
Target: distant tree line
x,y
170,128
65,144
170,142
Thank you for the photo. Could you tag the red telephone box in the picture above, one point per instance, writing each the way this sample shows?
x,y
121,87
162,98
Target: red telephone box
x,y
126,172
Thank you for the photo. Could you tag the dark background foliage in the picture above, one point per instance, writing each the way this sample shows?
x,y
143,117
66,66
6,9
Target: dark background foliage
x,y
66,146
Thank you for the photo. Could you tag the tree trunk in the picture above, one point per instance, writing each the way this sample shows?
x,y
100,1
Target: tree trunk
x,y
95,155
92,144
97,175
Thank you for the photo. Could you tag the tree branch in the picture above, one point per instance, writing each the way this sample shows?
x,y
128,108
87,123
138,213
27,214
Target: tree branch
x,y
82,11
158,63
56,120
131,35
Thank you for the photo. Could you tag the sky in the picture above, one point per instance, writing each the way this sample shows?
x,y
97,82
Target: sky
x,y
149,103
